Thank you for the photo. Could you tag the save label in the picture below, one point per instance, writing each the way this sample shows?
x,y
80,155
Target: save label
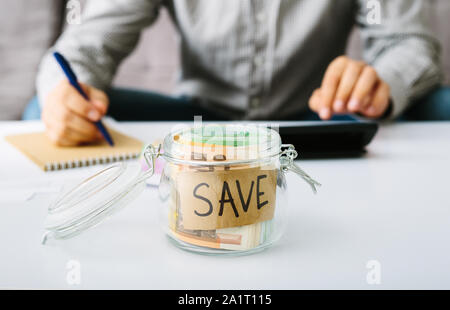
x,y
226,198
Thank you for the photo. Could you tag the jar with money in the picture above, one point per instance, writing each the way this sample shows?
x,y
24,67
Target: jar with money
x,y
222,189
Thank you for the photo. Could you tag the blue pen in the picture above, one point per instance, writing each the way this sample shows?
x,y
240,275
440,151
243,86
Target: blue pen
x,y
74,82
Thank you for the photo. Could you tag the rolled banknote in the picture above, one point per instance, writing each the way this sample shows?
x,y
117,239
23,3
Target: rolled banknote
x,y
196,145
234,238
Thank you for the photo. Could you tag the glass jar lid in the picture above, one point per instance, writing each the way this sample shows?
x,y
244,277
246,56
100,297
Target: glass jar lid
x,y
93,200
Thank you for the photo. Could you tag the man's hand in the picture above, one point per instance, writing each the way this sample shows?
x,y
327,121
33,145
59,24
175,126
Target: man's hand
x,y
69,118
350,86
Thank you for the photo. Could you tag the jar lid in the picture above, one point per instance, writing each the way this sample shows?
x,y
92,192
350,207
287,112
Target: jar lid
x,y
93,200
221,144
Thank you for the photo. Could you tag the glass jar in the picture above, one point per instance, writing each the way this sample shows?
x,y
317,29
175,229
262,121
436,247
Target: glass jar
x,y
222,189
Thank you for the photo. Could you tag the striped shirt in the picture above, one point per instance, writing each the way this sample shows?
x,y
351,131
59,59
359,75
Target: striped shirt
x,y
256,59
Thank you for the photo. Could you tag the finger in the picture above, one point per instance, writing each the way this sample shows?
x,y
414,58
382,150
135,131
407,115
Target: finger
x,y
329,86
62,118
314,101
77,104
99,99
65,135
346,85
53,136
53,114
76,122
83,126
380,101
365,85
57,135
367,101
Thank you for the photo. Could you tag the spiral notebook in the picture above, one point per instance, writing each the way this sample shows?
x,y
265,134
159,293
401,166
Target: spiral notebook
x,y
38,148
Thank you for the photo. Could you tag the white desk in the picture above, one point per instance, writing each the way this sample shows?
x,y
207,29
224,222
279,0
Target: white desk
x,y
392,206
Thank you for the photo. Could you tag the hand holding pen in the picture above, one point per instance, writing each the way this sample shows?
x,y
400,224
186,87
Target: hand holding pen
x,y
72,118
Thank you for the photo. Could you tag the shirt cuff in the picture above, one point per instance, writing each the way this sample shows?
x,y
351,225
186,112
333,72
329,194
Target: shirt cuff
x,y
399,91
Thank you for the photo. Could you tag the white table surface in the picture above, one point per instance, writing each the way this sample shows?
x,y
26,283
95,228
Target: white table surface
x,y
392,206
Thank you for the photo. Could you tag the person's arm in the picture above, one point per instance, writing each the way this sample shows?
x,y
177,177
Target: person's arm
x,y
108,32
401,63
401,49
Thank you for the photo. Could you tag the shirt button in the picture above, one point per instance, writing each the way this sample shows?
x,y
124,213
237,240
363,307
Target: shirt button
x,y
255,102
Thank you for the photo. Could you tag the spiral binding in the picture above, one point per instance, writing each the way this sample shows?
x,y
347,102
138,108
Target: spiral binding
x,y
84,162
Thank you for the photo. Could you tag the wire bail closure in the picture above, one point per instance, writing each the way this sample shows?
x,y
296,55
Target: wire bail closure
x,y
150,154
287,163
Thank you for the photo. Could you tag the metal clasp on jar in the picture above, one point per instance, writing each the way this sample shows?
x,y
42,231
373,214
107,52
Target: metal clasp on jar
x,y
150,154
287,156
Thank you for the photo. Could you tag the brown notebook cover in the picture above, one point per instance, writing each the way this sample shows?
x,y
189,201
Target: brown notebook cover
x,y
48,156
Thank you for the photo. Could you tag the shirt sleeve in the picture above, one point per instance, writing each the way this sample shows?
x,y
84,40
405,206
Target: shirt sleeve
x,y
401,47
108,32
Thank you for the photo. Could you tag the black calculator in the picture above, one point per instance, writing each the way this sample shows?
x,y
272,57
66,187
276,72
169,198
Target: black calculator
x,y
328,139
